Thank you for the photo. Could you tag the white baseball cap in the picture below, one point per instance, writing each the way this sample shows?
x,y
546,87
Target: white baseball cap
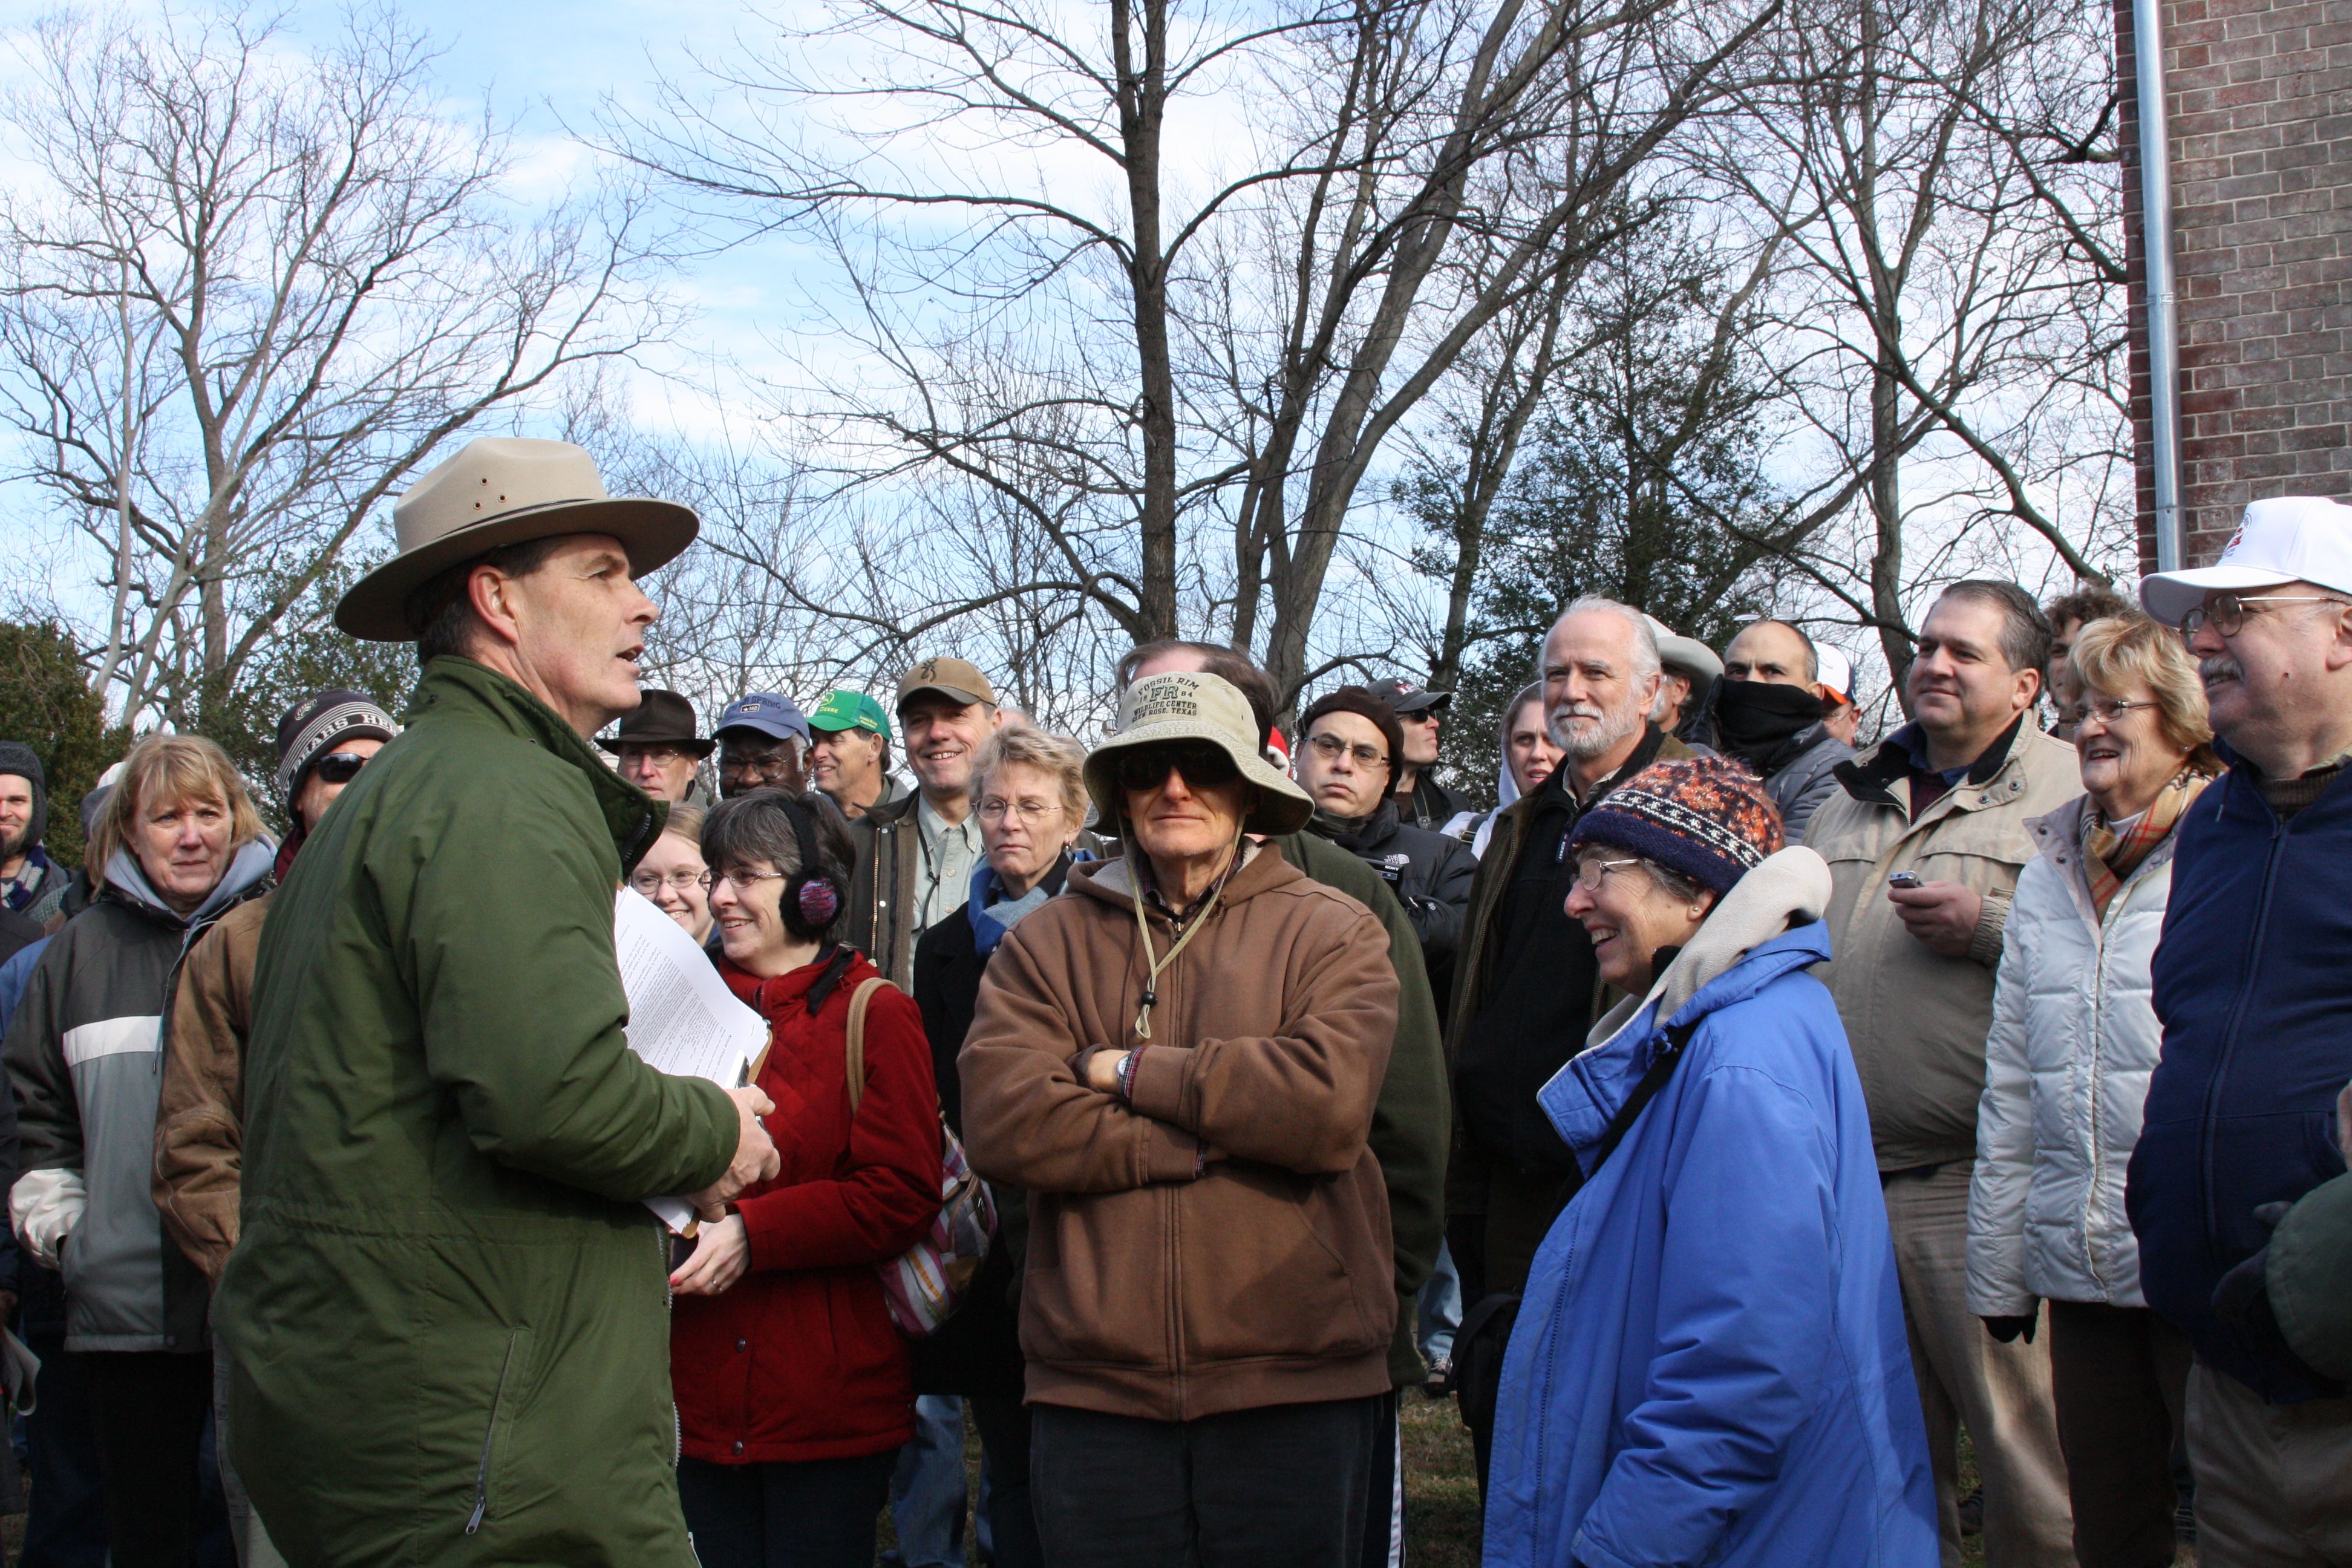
x,y
1837,669
2287,539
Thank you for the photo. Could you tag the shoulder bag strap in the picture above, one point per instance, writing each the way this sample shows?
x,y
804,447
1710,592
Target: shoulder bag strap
x,y
1643,1092
855,1050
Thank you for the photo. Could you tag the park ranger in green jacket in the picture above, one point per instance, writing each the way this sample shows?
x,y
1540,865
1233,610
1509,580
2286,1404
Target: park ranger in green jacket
x,y
448,1310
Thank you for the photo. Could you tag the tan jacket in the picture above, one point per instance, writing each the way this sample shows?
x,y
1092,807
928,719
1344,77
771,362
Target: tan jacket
x,y
199,1117
1917,1021
1222,1242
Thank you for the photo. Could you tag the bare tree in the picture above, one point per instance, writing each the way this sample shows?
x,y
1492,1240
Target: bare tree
x,y
1947,312
1167,290
248,293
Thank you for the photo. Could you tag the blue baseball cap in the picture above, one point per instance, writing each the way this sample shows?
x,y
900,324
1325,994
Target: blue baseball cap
x,y
767,713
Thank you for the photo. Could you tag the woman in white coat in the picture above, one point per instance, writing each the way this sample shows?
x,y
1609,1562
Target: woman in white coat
x,y
2066,1068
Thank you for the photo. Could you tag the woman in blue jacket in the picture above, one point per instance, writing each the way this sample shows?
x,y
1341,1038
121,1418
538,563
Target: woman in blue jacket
x,y
1709,1364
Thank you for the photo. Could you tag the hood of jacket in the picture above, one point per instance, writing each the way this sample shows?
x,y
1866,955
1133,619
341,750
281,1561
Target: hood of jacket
x,y
249,867
1769,924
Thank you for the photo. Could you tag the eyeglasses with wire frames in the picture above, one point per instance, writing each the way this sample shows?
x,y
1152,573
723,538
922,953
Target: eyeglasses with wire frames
x,y
2226,612
1591,870
995,809
742,879
1330,748
658,752
1204,766
650,883
2106,709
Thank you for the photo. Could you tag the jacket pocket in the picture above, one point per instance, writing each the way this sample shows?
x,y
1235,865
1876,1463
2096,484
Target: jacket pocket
x,y
497,1428
1278,1265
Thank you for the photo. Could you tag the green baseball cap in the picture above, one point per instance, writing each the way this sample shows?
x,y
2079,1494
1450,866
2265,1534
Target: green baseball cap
x,y
850,710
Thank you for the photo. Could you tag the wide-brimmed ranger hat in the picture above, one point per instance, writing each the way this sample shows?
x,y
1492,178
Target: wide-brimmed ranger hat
x,y
499,491
1195,706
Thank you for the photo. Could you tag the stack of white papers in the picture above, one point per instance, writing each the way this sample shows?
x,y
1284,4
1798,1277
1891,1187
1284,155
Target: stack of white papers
x,y
682,1019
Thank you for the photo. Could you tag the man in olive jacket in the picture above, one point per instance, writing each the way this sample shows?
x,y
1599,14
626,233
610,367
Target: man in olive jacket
x,y
447,1308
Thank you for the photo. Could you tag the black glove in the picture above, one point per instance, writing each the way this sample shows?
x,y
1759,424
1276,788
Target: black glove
x,y
2244,1293
2006,1329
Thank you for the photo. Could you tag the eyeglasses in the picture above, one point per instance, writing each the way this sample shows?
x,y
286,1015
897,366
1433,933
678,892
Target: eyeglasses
x,y
660,756
338,767
774,763
1330,748
1204,766
2226,612
1031,812
740,878
650,883
1591,873
2106,709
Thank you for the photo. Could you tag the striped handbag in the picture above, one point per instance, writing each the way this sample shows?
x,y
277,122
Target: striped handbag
x,y
925,1284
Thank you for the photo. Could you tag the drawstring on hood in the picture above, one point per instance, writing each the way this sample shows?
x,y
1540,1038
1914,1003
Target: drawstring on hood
x,y
1199,918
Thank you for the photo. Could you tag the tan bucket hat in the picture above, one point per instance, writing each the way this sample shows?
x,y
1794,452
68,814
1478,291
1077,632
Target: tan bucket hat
x,y
1196,706
501,491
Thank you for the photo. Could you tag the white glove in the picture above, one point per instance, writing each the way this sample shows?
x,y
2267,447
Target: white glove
x,y
43,1206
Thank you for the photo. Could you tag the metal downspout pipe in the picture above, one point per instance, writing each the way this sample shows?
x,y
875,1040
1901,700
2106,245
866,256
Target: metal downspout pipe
x,y
2163,314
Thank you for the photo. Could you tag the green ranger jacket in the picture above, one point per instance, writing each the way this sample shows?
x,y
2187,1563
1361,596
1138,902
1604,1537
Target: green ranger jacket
x,y
448,1314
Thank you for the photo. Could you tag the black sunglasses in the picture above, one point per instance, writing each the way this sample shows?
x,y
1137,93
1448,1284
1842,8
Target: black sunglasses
x,y
338,767
1204,766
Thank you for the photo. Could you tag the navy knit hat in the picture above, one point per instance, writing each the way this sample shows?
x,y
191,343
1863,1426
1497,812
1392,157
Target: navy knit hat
x,y
312,727
1707,818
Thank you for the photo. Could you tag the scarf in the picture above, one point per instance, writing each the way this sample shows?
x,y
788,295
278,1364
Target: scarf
x,y
30,882
1356,832
2109,857
1753,718
993,914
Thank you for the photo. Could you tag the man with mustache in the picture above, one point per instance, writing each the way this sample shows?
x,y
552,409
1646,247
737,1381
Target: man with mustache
x,y
1526,986
1925,836
2249,983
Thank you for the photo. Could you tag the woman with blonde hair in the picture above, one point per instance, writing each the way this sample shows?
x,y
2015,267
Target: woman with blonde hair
x,y
1029,791
2074,1037
673,874
177,845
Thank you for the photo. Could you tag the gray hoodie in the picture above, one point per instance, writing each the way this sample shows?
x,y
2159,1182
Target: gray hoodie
x,y
85,1054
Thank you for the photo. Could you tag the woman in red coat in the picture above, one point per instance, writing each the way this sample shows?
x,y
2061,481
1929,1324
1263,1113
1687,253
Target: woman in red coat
x,y
793,1388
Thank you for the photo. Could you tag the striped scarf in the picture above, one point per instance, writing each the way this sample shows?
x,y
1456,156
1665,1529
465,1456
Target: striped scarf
x,y
2109,857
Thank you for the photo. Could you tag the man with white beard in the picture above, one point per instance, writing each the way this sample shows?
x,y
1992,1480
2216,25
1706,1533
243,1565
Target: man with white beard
x,y
1527,986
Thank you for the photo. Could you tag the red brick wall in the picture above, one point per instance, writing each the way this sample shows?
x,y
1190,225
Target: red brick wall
x,y
2261,104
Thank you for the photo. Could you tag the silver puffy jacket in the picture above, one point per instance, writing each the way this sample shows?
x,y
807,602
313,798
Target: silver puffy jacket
x,y
2066,1068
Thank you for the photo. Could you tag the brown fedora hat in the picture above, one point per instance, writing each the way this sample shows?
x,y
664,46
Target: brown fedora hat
x,y
501,491
662,718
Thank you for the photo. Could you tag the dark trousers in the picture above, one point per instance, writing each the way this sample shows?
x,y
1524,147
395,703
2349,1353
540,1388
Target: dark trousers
x,y
2120,1377
819,1513
149,1408
1281,1487
1003,1427
67,1525
1384,1497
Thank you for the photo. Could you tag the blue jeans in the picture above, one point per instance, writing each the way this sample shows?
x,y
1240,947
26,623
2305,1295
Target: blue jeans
x,y
1441,1308
927,1491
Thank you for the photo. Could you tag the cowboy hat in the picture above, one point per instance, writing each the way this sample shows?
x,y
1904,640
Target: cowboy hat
x,y
499,491
1196,706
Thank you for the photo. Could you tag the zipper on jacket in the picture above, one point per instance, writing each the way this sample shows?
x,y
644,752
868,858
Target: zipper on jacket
x,y
490,1438
2255,929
